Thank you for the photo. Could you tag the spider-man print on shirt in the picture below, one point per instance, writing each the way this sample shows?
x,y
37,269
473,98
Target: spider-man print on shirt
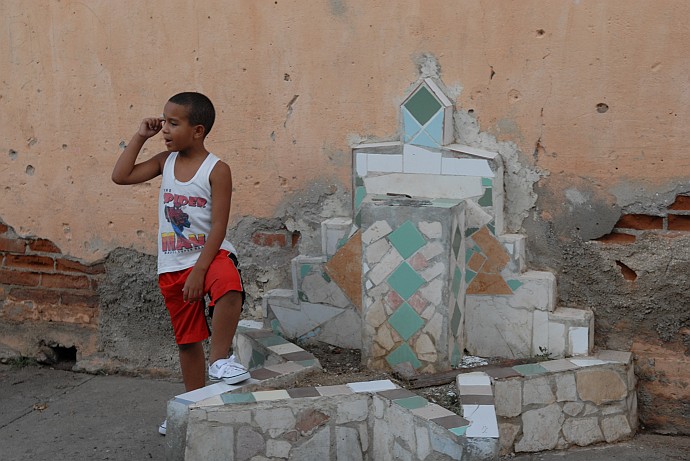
x,y
177,241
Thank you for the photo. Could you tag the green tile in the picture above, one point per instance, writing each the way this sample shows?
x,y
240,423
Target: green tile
x,y
530,369
456,357
302,296
470,230
407,239
360,193
326,277
257,359
487,198
514,284
307,363
405,281
238,398
457,242
459,430
406,321
359,181
468,254
456,318
269,341
304,269
469,275
401,355
492,228
423,105
487,182
457,281
412,402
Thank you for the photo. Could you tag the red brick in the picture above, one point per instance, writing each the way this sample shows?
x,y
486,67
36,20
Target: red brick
x,y
43,245
88,300
269,239
682,203
10,277
12,245
35,262
65,281
67,265
640,222
38,295
19,311
617,238
3,228
679,223
628,273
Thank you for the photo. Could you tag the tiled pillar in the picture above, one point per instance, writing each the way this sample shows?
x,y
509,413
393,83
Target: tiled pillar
x,y
413,278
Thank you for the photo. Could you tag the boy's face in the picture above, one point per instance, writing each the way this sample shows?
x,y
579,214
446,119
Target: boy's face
x,y
179,135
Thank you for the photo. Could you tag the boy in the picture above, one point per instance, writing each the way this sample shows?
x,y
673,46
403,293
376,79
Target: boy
x,y
194,259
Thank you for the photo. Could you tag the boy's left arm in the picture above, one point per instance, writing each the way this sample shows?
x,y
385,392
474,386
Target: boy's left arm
x,y
221,197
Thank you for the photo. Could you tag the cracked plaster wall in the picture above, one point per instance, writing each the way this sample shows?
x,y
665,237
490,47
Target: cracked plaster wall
x,y
582,99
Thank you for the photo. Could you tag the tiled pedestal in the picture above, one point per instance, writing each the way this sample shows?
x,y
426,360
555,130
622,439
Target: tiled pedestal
x,y
413,265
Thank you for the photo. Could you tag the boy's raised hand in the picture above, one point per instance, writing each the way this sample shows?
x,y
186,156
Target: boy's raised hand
x,y
150,127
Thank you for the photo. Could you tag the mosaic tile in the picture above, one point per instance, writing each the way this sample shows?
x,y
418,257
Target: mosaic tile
x,y
418,303
476,262
514,284
372,386
558,365
498,373
583,362
457,282
451,421
412,402
406,321
405,280
301,392
483,420
487,182
407,239
424,139
497,256
359,181
262,374
256,334
385,163
470,231
472,399
434,128
578,340
410,126
304,269
419,160
328,391
299,355
487,198
456,356
261,396
272,340
394,300
361,164
418,262
302,296
432,411
456,319
475,389
394,394
285,368
530,369
488,284
238,398
461,431
345,267
308,363
281,349
475,378
469,275
614,356
256,360
360,193
401,355
422,105
457,242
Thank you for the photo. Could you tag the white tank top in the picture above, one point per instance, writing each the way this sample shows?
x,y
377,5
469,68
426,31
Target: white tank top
x,y
184,216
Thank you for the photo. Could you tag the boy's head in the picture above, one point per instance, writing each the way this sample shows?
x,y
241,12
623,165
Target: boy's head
x,y
199,107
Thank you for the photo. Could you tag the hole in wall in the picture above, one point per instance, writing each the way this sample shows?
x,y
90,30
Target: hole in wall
x,y
628,273
540,32
57,355
602,107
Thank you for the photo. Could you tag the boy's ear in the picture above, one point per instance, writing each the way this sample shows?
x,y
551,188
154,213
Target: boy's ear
x,y
199,131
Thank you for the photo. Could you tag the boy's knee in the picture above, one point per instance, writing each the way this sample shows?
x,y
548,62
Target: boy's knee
x,y
188,347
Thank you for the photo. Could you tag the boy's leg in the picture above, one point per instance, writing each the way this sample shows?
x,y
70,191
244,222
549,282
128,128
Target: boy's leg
x,y
193,365
226,316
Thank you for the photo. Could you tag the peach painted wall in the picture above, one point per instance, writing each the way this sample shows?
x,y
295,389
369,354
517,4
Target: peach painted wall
x,y
295,81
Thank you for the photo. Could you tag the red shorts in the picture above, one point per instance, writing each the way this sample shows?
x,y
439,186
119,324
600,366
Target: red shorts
x,y
188,317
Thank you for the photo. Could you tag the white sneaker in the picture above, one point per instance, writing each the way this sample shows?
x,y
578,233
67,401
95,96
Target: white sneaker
x,y
229,370
163,428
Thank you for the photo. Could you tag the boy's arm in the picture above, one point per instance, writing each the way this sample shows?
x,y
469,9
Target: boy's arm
x,y
125,170
221,196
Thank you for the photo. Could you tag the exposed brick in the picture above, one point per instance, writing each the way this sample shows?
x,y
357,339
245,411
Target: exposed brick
x,y
43,245
72,314
12,245
682,203
38,295
269,239
34,262
67,265
679,223
3,228
617,237
10,277
87,300
628,273
640,222
65,281
19,311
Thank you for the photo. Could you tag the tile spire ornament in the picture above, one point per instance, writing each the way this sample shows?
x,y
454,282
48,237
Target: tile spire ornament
x,y
427,116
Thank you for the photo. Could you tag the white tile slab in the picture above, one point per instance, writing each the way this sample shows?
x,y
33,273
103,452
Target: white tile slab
x,y
425,185
271,395
466,167
385,163
472,151
361,164
586,362
420,160
476,378
578,340
482,419
372,386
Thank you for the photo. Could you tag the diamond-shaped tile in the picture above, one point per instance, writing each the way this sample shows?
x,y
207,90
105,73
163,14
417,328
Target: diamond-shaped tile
x,y
403,354
423,105
407,239
405,281
406,321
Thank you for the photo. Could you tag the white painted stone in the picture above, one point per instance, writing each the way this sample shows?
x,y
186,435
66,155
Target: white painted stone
x,y
537,390
375,314
556,339
433,292
384,338
573,408
248,443
382,440
204,442
420,160
540,429
540,333
425,349
475,216
376,251
507,432
423,442
538,291
434,327
278,420
385,267
495,329
582,431
578,340
566,391
432,230
363,430
376,231
344,330
482,419
347,444
615,428
508,397
380,407
401,424
400,453
425,185
352,410
442,443
434,271
278,448
431,250
317,447
429,312
614,408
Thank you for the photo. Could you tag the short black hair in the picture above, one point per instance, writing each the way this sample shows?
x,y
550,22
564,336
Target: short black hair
x,y
201,111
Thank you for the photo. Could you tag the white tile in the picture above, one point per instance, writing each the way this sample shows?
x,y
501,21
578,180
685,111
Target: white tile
x,y
482,420
586,362
271,395
476,378
466,167
425,185
376,231
372,386
361,164
578,340
472,151
385,163
540,332
556,339
420,160
281,349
